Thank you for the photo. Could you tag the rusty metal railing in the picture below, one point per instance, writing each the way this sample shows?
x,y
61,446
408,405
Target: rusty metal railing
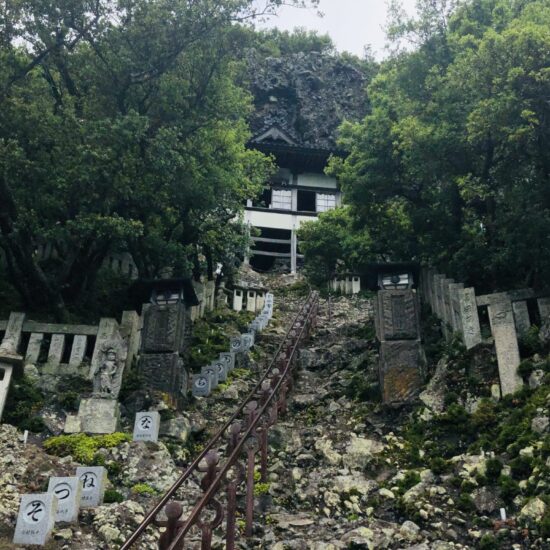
x,y
241,439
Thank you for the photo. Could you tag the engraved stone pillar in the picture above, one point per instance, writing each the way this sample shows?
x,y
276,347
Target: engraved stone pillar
x,y
251,301
447,311
130,331
469,318
438,299
398,329
455,306
57,347
398,315
521,317
237,299
506,343
400,373
6,372
164,328
12,336
78,351
33,348
441,298
9,356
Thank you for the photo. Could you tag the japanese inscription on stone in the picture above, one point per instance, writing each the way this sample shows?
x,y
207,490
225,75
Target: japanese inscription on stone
x,y
506,343
469,317
94,480
146,426
36,519
68,491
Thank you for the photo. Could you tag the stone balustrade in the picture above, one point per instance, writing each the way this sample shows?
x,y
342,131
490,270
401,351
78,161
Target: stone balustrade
x,y
508,313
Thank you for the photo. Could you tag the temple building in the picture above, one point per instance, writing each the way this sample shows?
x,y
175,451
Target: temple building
x,y
297,193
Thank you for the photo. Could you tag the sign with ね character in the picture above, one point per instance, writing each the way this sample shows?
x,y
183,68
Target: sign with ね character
x,y
36,519
68,491
146,426
94,480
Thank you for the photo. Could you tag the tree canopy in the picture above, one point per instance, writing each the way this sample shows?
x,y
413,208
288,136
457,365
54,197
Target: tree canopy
x,y
122,126
452,164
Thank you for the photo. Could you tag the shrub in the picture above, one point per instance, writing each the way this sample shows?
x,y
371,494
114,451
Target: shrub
x,y
526,368
494,468
144,489
112,495
83,447
521,467
509,488
411,479
261,489
23,402
465,503
488,542
439,465
69,400
529,343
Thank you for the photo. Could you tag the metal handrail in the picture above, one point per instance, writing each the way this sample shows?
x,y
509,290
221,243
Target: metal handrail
x,y
192,518
151,517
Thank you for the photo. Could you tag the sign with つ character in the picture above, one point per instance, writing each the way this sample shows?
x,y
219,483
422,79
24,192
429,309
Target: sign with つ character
x,y
94,480
36,519
146,426
68,491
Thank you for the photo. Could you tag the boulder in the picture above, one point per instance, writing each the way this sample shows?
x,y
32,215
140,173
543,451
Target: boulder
x,y
534,509
360,452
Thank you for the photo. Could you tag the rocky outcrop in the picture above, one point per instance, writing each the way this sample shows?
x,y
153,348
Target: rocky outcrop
x,y
306,94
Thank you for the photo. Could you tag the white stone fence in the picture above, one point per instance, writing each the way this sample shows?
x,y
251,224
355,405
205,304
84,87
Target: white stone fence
x,y
509,316
349,284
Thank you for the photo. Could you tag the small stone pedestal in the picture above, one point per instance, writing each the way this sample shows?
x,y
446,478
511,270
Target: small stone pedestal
x,y
95,416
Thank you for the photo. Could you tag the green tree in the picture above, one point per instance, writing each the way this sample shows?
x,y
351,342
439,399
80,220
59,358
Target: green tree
x,y
121,125
331,245
451,164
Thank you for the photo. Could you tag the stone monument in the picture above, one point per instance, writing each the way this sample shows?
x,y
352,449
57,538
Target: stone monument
x,y
68,491
94,481
397,319
146,426
165,338
100,413
201,386
9,355
36,519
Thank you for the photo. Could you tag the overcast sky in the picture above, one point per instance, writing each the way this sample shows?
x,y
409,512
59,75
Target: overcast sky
x,y
352,24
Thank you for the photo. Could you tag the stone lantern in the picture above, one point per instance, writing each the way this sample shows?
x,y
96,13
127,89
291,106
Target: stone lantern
x,y
166,336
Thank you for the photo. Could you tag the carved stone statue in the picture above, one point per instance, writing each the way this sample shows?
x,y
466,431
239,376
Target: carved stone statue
x,y
107,371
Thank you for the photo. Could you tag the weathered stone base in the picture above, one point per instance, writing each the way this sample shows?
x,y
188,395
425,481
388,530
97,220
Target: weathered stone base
x,y
400,370
163,372
95,416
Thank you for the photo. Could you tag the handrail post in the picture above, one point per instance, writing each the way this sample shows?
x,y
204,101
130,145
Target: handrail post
x,y
251,448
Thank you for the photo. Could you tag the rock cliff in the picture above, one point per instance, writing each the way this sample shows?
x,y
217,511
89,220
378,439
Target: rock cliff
x,y
306,94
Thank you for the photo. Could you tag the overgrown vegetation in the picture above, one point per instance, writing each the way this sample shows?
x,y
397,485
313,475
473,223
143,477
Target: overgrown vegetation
x,y
84,448
453,158
211,335
22,405
123,128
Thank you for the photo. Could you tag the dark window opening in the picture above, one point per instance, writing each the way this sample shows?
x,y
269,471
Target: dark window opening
x,y
264,200
306,201
266,262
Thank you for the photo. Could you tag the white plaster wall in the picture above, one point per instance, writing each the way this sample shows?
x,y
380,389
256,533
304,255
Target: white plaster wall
x,y
275,220
317,180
